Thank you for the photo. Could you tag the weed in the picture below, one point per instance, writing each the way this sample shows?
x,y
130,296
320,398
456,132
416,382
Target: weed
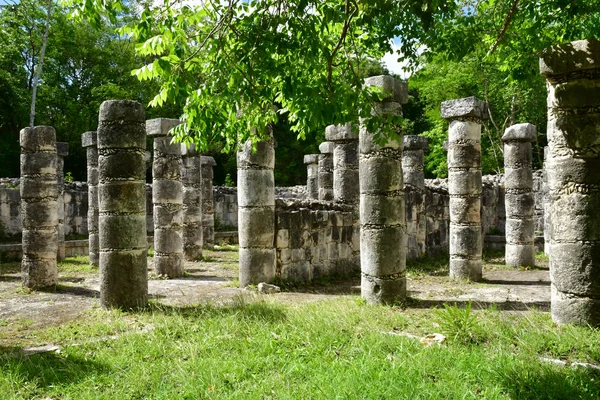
x,y
459,324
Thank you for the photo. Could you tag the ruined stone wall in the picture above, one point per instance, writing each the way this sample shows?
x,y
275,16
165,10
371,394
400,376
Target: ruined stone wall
x,y
435,195
315,239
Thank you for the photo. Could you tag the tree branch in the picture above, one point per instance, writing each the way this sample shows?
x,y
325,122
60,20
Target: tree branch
x,y
509,17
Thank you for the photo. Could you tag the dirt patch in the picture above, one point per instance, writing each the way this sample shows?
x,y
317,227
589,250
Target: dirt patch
x,y
215,280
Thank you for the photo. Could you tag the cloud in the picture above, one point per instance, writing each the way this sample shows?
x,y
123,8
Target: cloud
x,y
391,60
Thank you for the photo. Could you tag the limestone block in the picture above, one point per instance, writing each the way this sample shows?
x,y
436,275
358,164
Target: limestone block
x,y
160,126
393,89
256,226
326,147
336,133
570,57
414,142
520,132
469,107
380,174
258,188
258,265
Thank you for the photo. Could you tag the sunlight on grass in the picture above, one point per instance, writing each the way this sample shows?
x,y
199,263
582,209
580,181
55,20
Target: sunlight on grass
x,y
254,348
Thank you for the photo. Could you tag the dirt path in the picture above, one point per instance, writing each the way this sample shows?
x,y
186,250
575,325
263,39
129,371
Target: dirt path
x,y
214,280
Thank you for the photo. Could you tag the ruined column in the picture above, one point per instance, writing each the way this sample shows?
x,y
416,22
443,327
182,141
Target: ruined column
x,y
325,168
191,176
345,163
62,150
312,180
518,198
413,160
90,143
167,198
208,204
256,212
382,213
572,71
546,205
464,185
122,204
39,209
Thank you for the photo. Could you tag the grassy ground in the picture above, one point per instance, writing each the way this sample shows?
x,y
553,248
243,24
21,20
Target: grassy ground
x,y
259,347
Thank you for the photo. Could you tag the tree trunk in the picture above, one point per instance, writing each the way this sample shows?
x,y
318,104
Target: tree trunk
x,y
38,71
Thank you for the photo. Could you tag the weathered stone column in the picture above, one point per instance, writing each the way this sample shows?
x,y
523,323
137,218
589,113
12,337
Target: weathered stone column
x,y
167,198
256,212
90,143
122,204
312,180
208,204
382,213
39,211
413,160
191,176
345,163
572,71
62,150
326,171
547,220
518,198
464,185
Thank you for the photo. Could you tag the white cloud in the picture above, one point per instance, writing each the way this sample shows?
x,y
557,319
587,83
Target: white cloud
x,y
391,60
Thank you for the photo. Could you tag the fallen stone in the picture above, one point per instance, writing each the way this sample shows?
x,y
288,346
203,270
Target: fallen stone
x,y
267,288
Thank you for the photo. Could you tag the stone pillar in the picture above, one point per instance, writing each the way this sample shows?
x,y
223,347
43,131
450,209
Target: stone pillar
x,y
39,210
256,212
208,204
382,213
191,176
90,143
546,205
62,150
464,185
572,71
345,163
518,198
167,198
122,204
326,171
413,160
312,181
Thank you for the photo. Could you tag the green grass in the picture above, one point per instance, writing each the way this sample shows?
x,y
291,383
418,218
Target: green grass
x,y
254,349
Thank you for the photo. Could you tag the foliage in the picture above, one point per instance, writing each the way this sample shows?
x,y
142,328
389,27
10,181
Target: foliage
x,y
490,49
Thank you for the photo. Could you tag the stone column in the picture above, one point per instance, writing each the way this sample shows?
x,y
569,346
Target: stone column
x,y
546,206
256,212
122,204
572,71
345,163
90,142
413,160
326,171
39,210
518,198
191,176
382,213
208,204
62,150
312,181
464,185
167,198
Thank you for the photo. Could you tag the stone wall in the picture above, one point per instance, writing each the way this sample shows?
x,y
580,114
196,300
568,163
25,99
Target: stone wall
x,y
315,239
436,217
